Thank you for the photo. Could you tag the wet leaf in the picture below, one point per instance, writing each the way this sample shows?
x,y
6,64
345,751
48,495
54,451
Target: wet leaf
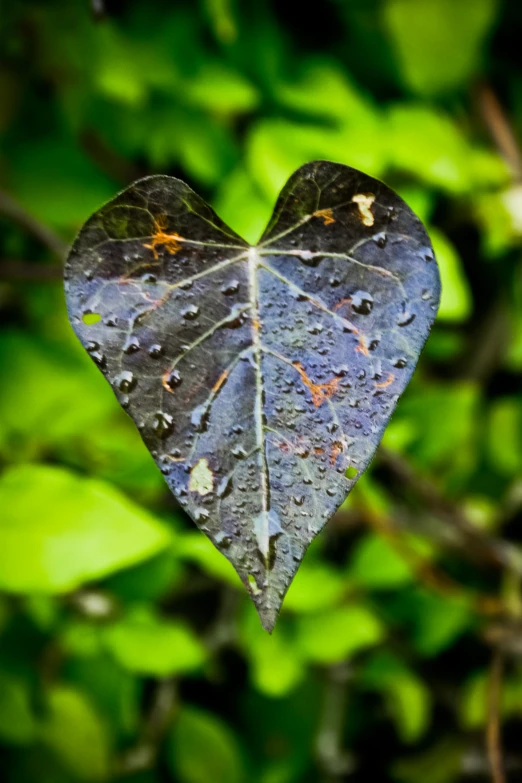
x,y
260,377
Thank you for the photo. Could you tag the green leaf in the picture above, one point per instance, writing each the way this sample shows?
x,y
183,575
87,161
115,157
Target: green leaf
x,y
435,622
17,721
45,382
200,551
455,300
407,699
316,587
77,185
438,43
147,581
223,353
457,405
118,73
115,693
276,666
58,530
324,90
474,703
428,145
376,565
81,638
338,634
76,734
203,748
504,435
243,205
276,147
219,88
150,645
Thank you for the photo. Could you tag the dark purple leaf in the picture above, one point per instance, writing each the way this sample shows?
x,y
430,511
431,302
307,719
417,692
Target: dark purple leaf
x,y
261,378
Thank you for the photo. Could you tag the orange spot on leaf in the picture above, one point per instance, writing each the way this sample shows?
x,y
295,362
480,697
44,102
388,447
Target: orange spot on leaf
x,y
341,303
337,449
318,451
161,301
171,242
387,382
164,381
220,381
362,347
320,391
326,214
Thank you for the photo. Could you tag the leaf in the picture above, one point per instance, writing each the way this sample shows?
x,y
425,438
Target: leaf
x,y
316,587
377,566
257,375
455,302
438,43
76,734
58,530
408,700
203,748
276,668
429,146
17,723
336,635
149,645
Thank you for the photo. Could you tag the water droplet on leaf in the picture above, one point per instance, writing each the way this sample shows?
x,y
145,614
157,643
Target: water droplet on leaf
x,y
362,302
163,424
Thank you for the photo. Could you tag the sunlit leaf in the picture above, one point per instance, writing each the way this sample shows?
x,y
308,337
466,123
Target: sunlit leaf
x,y
260,377
58,530
430,146
334,636
221,89
377,565
147,644
455,301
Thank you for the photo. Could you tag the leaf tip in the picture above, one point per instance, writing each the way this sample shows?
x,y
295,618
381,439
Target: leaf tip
x,y
268,617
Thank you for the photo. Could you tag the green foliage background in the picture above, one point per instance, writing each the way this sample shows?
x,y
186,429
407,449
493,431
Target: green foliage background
x,y
128,649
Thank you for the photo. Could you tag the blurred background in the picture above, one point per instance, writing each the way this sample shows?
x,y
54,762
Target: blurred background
x,y
129,651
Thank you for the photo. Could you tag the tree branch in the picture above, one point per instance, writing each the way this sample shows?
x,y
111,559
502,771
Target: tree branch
x,y
500,129
24,271
143,754
334,762
493,739
486,548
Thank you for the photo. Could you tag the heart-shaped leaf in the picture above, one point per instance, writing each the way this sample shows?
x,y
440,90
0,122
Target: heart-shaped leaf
x,y
261,378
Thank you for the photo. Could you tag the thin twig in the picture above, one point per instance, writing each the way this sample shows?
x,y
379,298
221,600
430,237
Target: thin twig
x,y
483,547
426,572
16,212
334,762
23,271
493,738
500,129
143,755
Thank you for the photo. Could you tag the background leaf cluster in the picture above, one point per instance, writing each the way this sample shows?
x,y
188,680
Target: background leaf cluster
x,y
128,649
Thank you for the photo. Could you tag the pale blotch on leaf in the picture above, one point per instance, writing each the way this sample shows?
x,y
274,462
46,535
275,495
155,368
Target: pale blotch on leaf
x,y
267,527
201,478
364,201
